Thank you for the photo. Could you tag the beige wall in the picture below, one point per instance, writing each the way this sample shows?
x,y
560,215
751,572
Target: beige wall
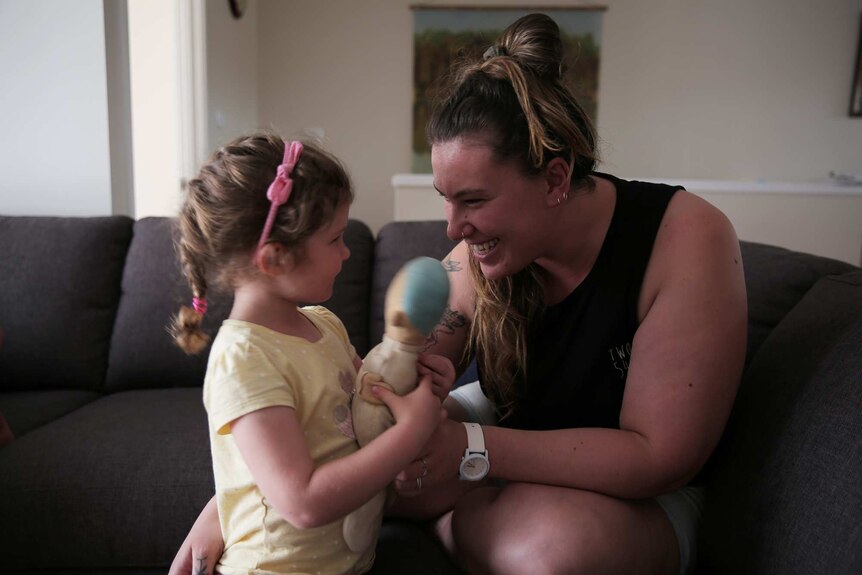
x,y
730,90
735,90
232,79
343,68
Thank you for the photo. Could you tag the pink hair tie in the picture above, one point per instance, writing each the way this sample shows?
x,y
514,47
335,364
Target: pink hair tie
x,y
280,188
199,304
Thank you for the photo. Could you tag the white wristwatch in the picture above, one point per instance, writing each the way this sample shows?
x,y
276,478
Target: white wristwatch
x,y
474,464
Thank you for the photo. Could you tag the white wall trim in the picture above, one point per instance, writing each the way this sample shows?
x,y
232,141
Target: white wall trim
x,y
823,219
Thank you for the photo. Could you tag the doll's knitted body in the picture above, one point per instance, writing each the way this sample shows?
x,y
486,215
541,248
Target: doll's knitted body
x,y
415,302
395,364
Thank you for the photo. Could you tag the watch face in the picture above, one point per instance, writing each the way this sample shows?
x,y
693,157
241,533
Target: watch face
x,y
474,467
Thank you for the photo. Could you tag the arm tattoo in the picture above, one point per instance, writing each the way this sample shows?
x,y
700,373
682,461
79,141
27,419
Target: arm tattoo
x,y
201,568
451,265
450,321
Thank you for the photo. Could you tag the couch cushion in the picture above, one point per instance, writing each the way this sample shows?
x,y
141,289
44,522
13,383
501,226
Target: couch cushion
x,y
776,279
398,242
59,288
6,435
352,291
28,410
786,491
143,354
118,482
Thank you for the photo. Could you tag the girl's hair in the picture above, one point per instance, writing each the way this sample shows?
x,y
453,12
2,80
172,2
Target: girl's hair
x,y
513,99
226,207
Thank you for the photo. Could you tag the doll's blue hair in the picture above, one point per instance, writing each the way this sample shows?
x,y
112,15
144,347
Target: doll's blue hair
x,y
426,292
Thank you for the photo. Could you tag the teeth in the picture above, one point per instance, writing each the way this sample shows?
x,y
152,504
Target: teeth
x,y
483,248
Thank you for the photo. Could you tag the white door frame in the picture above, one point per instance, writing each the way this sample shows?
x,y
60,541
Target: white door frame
x,y
193,86
167,60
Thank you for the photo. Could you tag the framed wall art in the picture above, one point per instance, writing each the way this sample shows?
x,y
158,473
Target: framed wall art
x,y
441,34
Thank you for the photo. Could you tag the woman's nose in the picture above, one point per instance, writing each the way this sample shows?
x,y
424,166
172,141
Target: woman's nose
x,y
453,234
451,224
460,230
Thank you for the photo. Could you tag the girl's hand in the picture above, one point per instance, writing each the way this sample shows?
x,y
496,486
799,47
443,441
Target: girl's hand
x,y
438,463
441,370
420,410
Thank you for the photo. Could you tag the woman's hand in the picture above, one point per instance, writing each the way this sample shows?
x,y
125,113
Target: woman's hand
x,y
203,546
440,369
439,462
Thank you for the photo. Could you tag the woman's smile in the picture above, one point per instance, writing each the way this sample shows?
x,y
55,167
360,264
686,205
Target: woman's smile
x,y
482,250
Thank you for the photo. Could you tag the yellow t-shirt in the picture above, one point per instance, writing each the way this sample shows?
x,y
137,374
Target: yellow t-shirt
x,y
250,368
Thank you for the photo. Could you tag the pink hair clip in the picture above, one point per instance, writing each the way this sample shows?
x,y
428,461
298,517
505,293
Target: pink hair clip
x,y
199,304
280,188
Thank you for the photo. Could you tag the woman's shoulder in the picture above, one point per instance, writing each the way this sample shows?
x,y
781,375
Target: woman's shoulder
x,y
694,237
693,230
457,266
690,218
457,259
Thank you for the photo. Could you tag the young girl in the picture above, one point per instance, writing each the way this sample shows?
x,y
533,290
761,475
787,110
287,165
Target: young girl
x,y
266,218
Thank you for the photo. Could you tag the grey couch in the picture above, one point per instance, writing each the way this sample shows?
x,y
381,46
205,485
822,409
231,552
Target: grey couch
x,y
111,463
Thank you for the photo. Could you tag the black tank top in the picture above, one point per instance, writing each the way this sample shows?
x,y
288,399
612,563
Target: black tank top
x,y
578,354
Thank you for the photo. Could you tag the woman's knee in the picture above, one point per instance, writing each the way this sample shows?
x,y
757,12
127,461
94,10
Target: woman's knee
x,y
471,518
515,552
518,530
547,530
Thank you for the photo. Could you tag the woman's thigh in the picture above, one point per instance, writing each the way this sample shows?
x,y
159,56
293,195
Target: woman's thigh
x,y
541,529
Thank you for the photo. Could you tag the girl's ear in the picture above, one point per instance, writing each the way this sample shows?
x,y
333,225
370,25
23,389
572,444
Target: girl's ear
x,y
557,181
272,259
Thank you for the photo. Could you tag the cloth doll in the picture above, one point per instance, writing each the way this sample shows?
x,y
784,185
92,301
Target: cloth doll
x,y
415,302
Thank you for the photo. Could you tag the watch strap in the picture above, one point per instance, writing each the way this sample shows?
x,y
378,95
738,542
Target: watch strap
x,y
475,438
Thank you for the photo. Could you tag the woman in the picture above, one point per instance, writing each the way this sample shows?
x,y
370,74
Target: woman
x,y
608,321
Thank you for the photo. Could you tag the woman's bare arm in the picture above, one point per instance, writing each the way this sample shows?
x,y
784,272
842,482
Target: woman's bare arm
x,y
686,362
449,338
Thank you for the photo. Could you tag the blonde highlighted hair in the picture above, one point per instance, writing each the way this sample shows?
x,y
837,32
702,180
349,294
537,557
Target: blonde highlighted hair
x,y
225,208
513,100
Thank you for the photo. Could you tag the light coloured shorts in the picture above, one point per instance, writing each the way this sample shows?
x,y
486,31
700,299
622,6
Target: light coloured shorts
x,y
684,509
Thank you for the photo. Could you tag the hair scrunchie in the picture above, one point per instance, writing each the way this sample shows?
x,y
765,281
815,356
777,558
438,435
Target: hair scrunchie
x,y
494,51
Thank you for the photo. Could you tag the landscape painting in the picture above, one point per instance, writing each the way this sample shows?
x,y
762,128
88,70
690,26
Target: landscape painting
x,y
443,34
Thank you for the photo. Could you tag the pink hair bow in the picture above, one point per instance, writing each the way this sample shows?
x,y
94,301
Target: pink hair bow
x,y
280,188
